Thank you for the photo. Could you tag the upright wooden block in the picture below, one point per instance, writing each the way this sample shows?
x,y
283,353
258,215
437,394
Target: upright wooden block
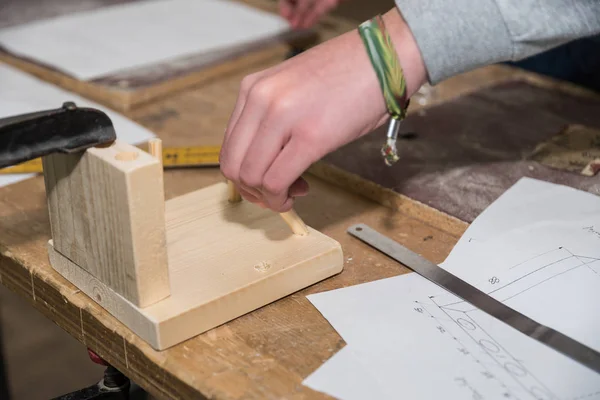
x,y
107,215
225,258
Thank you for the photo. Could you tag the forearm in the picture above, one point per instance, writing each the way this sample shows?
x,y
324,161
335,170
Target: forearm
x,y
461,35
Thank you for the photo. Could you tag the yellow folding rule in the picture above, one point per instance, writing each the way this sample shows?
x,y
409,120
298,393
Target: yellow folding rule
x,y
189,156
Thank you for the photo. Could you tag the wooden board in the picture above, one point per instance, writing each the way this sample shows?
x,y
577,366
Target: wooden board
x,y
106,209
263,354
575,149
124,93
129,89
465,152
18,12
225,260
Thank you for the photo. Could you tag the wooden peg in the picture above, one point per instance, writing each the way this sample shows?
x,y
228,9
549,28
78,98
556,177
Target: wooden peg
x,y
233,194
155,148
295,222
290,217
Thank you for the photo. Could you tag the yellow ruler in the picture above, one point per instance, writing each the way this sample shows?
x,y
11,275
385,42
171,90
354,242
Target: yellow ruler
x,y
173,157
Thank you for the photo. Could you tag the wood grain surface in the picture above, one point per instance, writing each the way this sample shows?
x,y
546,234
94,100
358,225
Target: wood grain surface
x,y
225,260
267,353
264,354
106,210
461,155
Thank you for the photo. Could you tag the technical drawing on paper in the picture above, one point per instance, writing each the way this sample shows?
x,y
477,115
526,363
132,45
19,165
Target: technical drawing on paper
x,y
415,340
501,374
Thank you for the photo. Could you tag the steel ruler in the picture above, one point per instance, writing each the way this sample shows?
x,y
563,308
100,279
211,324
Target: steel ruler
x,y
546,335
173,157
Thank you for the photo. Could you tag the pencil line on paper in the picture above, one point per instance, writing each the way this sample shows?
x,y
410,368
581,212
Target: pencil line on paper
x,y
533,258
530,273
539,283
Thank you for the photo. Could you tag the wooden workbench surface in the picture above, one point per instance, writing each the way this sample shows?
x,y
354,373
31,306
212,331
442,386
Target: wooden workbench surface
x,y
267,353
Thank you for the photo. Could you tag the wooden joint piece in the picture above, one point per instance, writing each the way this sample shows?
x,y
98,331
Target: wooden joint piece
x,y
170,270
107,215
224,261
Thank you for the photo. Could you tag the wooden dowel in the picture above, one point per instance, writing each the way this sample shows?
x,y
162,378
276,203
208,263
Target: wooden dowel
x,y
155,148
233,195
295,222
290,217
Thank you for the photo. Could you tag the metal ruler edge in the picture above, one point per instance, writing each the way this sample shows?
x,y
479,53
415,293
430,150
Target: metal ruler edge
x,y
432,272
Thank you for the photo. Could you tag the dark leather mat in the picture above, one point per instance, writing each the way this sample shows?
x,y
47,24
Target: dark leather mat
x,y
469,151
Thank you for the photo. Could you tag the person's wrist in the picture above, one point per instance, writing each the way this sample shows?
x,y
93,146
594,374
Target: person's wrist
x,y
397,63
407,50
370,85
349,53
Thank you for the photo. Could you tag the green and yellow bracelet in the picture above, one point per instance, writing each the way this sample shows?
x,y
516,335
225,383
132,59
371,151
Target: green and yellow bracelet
x,y
384,59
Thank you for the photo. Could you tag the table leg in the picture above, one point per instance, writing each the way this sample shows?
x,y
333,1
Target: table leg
x,y
4,387
113,386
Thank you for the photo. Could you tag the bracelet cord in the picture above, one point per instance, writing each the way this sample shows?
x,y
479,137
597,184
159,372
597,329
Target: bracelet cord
x,y
382,53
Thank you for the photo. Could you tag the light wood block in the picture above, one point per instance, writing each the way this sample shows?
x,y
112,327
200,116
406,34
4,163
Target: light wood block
x,y
107,215
225,260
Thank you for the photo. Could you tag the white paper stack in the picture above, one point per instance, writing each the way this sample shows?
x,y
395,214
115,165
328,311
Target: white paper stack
x,y
92,44
536,249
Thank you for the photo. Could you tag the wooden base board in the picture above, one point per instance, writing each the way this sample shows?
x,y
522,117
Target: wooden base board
x,y
225,260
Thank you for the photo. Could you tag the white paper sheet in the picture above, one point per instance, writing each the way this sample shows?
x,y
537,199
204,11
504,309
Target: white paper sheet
x,y
421,342
345,376
96,43
548,271
528,201
21,93
419,349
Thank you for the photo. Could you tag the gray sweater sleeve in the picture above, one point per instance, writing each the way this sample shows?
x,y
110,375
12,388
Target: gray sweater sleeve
x,y
456,36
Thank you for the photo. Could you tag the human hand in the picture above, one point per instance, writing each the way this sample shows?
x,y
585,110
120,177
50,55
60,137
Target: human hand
x,y
303,14
291,115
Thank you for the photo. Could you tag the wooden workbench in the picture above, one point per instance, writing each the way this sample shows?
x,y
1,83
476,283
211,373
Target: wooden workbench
x,y
267,353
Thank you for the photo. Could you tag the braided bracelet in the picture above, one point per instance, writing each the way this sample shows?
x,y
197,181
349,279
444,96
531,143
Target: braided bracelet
x,y
385,61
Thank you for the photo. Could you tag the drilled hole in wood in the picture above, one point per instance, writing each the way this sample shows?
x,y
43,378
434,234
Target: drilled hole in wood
x,y
127,156
262,266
